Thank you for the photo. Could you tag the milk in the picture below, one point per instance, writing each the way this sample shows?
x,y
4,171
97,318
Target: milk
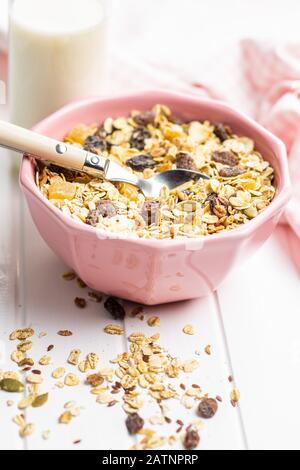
x,y
57,54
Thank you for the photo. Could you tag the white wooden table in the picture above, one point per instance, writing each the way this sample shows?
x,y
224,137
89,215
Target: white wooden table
x,y
252,323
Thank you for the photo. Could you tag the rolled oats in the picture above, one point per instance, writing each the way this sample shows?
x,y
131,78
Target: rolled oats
x,y
45,360
74,357
71,380
113,329
239,188
58,372
153,321
188,330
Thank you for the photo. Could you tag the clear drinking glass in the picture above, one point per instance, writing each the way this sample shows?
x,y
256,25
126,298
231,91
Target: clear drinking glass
x,y
57,54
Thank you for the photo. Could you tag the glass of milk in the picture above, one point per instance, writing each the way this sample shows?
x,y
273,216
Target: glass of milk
x,y
57,54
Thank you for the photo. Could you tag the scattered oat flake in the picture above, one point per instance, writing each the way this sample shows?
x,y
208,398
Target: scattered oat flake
x,y
188,330
71,380
42,334
153,321
58,372
113,329
46,434
207,349
69,276
65,333
45,360
21,334
27,430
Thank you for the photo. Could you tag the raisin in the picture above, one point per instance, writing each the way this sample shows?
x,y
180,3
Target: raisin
x,y
212,199
222,132
207,408
229,172
134,423
104,208
141,162
191,439
145,118
138,138
94,143
150,211
69,175
116,310
185,161
227,158
79,302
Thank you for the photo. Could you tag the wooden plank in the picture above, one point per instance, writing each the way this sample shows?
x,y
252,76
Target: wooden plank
x,y
260,309
225,430
50,307
10,309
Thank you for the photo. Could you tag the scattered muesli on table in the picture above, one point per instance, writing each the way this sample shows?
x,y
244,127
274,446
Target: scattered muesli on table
x,y
239,187
144,371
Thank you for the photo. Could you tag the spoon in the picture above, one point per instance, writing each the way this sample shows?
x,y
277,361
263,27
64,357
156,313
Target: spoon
x,y
67,156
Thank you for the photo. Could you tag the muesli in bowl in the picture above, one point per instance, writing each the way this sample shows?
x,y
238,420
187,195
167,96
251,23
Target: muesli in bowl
x,y
240,183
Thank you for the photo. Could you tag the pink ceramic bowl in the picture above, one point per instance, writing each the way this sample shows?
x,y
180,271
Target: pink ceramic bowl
x,y
154,271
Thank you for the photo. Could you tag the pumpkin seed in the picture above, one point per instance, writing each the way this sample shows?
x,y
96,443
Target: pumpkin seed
x,y
40,400
11,385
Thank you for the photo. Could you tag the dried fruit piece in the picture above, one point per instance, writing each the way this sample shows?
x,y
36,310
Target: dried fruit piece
x,y
134,423
34,379
65,418
185,161
62,190
141,162
207,408
69,276
26,362
235,395
139,137
94,143
40,400
145,118
95,380
150,212
191,439
230,172
222,132
80,302
116,310
11,385
69,175
104,208
227,158
64,333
